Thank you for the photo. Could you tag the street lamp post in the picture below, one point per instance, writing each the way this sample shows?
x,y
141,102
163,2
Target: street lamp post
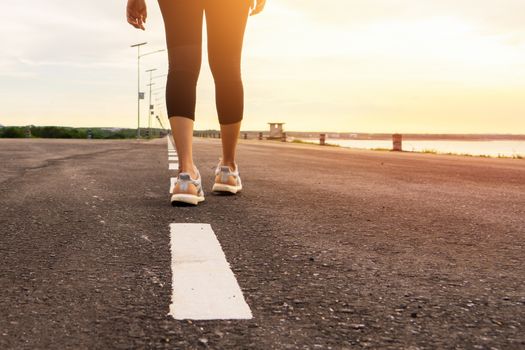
x,y
139,56
138,85
151,89
150,109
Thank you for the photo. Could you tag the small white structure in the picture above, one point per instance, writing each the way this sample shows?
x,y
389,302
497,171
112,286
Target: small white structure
x,y
276,130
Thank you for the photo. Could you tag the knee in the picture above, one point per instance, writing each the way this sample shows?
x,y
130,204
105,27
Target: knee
x,y
184,59
226,70
227,120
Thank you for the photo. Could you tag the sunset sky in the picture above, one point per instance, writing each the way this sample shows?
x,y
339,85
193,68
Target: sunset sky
x,y
448,66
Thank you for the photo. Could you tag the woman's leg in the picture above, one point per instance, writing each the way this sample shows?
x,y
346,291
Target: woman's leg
x,y
183,24
226,22
229,137
182,130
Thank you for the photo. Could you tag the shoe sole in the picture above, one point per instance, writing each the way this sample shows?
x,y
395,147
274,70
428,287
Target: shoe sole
x,y
186,198
226,188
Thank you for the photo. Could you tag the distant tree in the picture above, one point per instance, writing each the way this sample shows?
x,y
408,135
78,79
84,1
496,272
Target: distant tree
x,y
57,132
54,132
12,132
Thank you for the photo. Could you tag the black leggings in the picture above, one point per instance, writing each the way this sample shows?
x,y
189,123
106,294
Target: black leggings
x,y
225,22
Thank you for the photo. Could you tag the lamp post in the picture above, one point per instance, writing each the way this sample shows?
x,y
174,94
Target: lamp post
x,y
150,108
151,89
139,95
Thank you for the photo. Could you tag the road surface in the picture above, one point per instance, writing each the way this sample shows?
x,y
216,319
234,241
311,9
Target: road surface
x,y
332,248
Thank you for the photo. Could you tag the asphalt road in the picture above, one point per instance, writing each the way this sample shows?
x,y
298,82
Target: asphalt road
x,y
333,248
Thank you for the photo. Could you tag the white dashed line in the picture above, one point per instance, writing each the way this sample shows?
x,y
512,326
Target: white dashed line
x,y
170,143
203,285
172,157
172,183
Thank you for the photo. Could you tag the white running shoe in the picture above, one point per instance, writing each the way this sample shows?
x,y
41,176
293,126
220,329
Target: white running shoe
x,y
227,180
187,190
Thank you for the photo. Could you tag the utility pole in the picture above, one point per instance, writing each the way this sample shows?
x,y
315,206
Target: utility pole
x,y
150,109
140,95
138,86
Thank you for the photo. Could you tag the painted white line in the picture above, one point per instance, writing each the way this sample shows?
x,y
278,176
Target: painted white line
x,y
172,183
173,166
172,152
173,159
170,143
203,285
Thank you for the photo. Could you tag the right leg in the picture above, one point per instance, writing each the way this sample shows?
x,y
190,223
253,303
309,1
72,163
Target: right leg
x,y
183,24
226,23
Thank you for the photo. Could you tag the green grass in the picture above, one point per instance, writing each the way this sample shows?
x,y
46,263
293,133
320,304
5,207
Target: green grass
x,y
433,151
305,142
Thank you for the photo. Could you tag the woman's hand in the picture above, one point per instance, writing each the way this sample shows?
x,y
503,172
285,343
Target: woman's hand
x,y
137,13
256,6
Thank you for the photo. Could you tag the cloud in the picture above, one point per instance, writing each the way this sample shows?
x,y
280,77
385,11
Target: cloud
x,y
506,15
301,57
85,32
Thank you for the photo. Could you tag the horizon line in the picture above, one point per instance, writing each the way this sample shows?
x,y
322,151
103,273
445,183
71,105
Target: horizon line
x,y
286,131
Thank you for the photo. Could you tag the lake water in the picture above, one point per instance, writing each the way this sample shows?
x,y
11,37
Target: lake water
x,y
476,148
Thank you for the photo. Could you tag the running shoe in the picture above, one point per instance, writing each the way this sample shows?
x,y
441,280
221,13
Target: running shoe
x,y
187,190
227,180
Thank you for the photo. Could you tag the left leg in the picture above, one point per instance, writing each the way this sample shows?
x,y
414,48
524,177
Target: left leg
x,y
183,24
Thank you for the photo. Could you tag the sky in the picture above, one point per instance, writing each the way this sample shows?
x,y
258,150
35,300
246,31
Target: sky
x,y
409,66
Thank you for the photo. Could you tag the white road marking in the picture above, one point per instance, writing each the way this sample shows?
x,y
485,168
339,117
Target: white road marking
x,y
203,285
170,142
172,183
172,156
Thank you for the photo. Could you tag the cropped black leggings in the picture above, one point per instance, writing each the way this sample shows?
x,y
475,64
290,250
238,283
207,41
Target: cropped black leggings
x,y
225,22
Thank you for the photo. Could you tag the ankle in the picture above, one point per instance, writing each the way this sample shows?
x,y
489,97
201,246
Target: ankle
x,y
230,164
190,169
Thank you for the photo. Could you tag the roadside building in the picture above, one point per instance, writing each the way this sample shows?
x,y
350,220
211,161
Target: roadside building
x,y
276,131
